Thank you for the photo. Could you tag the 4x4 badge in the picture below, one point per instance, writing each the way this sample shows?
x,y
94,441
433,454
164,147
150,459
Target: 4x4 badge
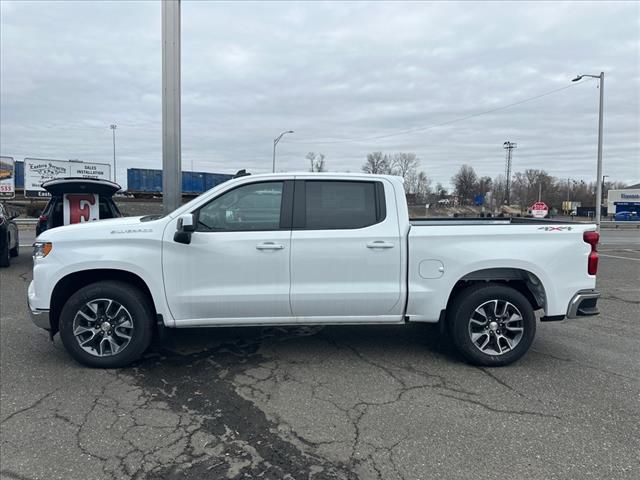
x,y
555,229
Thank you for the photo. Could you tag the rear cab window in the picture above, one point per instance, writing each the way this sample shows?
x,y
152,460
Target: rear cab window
x,y
338,204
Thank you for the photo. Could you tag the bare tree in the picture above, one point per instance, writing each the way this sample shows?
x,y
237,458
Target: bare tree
x,y
423,186
404,164
465,183
377,163
317,162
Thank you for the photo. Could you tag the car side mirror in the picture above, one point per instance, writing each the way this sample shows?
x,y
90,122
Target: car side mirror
x,y
185,227
187,223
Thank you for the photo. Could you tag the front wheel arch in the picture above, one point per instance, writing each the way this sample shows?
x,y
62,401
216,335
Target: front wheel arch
x,y
73,282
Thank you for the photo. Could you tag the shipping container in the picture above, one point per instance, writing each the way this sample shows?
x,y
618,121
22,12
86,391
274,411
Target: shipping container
x,y
149,181
19,174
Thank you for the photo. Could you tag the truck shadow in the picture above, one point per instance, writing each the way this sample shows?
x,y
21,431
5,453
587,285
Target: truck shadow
x,y
394,340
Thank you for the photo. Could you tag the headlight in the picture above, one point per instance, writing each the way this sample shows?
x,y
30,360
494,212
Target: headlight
x,y
42,249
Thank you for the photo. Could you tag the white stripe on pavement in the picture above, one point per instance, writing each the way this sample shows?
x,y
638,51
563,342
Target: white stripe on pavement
x,y
623,258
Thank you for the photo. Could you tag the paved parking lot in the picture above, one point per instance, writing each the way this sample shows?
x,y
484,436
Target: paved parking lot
x,y
330,403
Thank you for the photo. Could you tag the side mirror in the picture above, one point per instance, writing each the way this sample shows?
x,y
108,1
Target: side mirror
x,y
186,223
186,226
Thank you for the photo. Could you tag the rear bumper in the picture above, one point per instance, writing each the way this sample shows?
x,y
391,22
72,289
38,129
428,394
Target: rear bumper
x,y
584,304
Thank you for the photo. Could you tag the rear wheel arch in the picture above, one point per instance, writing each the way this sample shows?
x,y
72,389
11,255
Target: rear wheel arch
x,y
73,282
524,281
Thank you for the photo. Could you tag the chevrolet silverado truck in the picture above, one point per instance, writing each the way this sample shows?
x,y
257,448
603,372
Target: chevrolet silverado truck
x,y
312,249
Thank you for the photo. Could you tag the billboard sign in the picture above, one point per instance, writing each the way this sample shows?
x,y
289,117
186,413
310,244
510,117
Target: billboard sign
x,y
7,177
38,170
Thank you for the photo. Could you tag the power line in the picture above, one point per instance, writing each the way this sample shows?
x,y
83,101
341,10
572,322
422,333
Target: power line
x,y
436,125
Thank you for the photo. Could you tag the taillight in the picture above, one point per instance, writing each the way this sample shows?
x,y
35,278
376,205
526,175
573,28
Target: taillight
x,y
43,218
592,239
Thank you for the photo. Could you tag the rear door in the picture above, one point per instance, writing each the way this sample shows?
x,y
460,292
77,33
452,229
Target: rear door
x,y
345,251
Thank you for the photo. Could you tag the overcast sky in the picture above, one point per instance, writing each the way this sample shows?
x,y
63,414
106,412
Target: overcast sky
x,y
349,78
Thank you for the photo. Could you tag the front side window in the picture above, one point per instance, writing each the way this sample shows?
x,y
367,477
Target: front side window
x,y
340,205
251,207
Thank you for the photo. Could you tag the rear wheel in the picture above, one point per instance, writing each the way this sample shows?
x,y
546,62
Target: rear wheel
x,y
106,324
491,324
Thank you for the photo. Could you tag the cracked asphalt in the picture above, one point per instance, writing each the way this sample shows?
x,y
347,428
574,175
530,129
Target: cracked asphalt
x,y
330,403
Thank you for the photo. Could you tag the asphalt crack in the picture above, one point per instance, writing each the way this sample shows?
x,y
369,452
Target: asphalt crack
x,y
249,445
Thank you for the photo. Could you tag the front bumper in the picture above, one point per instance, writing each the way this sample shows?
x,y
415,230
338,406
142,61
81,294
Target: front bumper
x,y
584,304
38,316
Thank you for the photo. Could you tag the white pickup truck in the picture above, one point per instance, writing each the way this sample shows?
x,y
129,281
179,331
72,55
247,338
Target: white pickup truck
x,y
320,249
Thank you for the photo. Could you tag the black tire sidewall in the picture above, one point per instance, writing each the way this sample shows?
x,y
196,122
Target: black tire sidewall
x,y
127,295
15,251
5,257
467,301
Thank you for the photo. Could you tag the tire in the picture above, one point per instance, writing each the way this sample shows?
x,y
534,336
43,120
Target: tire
x,y
103,315
15,251
491,324
5,256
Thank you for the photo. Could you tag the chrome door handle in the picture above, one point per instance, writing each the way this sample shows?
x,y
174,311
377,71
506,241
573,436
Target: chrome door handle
x,y
380,244
269,246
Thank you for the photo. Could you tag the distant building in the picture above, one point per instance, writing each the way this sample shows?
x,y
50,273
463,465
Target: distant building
x,y
625,200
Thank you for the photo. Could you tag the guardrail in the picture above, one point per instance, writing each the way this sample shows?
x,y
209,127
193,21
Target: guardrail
x,y
624,225
25,221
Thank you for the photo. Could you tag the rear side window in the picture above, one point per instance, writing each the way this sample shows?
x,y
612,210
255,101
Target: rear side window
x,y
343,204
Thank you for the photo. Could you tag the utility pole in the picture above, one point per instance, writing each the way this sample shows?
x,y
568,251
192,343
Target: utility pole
x,y
508,146
113,127
171,147
539,191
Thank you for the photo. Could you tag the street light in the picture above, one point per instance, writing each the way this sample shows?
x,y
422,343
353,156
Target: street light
x,y
275,142
599,168
113,127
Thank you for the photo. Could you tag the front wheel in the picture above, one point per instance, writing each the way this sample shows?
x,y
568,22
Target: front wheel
x,y
106,324
491,324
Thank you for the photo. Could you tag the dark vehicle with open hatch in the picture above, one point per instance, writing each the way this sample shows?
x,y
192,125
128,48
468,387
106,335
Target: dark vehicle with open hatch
x,y
76,200
9,241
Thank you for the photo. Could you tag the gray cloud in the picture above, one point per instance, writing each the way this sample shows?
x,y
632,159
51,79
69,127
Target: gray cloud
x,y
336,73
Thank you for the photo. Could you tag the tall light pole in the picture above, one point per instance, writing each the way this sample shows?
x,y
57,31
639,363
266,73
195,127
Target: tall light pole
x,y
275,142
171,126
599,168
113,127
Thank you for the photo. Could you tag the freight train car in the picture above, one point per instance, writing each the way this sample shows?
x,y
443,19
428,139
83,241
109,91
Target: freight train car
x,y
19,174
145,182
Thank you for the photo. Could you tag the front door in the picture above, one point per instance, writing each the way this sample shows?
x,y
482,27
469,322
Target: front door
x,y
236,268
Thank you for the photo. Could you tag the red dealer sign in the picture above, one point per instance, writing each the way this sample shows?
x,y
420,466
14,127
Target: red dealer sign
x,y
539,210
80,207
